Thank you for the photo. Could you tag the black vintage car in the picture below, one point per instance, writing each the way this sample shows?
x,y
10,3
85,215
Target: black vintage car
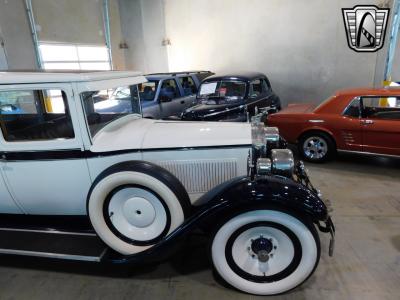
x,y
232,98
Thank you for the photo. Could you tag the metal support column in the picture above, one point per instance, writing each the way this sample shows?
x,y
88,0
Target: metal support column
x,y
32,23
394,32
107,35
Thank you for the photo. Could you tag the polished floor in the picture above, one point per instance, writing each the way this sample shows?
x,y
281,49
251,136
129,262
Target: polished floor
x,y
365,193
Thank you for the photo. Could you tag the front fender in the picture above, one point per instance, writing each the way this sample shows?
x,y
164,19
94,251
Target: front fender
x,y
268,190
234,196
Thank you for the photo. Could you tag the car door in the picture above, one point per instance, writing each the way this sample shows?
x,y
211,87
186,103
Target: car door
x,y
346,128
170,97
7,203
44,166
189,90
380,123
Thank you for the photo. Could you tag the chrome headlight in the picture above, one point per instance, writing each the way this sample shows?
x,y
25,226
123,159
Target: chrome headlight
x,y
282,162
272,137
257,133
264,166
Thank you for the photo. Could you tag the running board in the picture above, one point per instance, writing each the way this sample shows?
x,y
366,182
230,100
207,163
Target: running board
x,y
52,244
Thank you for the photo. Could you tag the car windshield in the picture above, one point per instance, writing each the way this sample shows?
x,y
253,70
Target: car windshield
x,y
221,91
105,106
147,90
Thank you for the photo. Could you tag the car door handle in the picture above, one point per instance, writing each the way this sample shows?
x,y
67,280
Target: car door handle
x,y
182,102
367,122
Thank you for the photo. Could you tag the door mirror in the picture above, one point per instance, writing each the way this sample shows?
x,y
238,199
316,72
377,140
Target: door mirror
x,y
164,98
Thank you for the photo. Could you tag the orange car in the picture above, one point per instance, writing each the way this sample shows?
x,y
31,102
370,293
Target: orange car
x,y
365,120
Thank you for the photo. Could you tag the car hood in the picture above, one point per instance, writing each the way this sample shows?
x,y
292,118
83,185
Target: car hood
x,y
298,108
137,133
208,110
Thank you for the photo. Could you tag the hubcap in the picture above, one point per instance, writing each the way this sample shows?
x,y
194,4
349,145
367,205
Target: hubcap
x,y
315,147
262,251
137,214
262,247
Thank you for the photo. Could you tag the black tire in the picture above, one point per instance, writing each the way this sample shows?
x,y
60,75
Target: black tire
x,y
231,274
132,205
316,141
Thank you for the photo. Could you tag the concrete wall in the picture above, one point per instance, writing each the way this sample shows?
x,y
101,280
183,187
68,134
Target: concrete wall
x,y
143,30
15,32
301,45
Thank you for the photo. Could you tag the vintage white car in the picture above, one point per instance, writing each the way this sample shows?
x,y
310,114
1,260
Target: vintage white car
x,y
82,182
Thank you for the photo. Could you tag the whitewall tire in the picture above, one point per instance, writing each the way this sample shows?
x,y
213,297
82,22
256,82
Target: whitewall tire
x,y
131,211
265,252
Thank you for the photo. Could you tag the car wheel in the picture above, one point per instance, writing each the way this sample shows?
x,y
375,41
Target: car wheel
x,y
316,147
265,252
134,205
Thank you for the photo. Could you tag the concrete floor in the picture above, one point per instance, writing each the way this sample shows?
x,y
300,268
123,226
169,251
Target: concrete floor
x,y
365,193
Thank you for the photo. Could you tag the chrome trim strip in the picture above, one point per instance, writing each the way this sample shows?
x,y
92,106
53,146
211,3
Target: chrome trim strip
x,y
47,231
225,111
52,255
368,153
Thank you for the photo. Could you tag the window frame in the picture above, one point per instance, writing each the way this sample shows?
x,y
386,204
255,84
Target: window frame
x,y
53,144
362,112
85,119
183,89
177,85
358,98
251,88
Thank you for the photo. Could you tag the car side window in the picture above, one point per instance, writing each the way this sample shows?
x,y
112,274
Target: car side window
x,y
381,107
169,89
353,110
188,85
266,85
256,88
147,90
35,115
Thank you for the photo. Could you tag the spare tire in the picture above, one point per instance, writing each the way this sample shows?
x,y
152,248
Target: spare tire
x,y
133,205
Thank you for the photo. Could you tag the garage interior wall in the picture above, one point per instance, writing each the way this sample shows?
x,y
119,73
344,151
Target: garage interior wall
x,y
143,29
269,36
221,36
16,35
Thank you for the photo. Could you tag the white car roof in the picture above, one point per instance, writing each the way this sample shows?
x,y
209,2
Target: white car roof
x,y
65,76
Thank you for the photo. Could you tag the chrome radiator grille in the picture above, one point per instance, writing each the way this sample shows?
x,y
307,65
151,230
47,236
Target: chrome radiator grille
x,y
202,175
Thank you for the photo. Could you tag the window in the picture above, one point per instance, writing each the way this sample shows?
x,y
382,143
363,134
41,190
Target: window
x,y
202,75
266,85
169,89
74,57
381,107
147,90
256,88
34,115
228,90
105,106
353,110
188,85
